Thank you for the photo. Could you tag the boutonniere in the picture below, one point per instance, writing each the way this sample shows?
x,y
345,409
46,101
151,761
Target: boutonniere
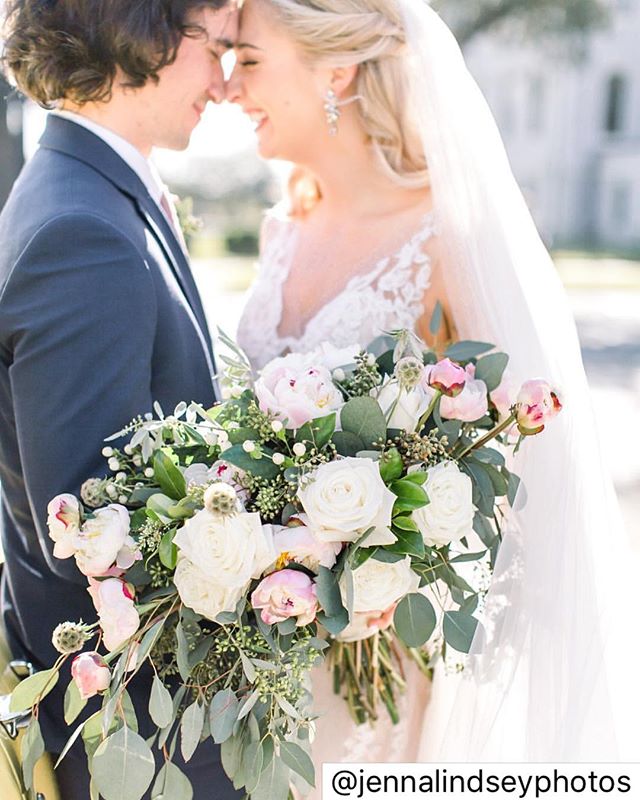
x,y
189,223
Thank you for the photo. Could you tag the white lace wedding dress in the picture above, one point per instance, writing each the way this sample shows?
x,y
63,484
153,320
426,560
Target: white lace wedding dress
x,y
387,296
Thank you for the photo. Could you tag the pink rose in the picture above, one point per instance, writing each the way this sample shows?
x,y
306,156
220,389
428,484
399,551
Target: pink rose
x,y
117,613
447,377
63,521
297,542
297,390
284,594
472,402
91,674
536,403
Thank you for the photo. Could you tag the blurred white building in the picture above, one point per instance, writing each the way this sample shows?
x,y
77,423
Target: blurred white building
x,y
572,128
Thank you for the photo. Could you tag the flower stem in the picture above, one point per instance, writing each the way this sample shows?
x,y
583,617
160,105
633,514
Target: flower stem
x,y
429,411
488,436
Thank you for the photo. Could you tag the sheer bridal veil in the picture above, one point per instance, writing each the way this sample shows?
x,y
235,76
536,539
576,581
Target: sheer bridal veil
x,y
538,686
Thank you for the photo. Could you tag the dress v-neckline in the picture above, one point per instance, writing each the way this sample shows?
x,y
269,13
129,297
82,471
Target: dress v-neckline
x,y
366,278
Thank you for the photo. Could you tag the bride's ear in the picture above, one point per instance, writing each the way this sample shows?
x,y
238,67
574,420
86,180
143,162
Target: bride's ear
x,y
342,80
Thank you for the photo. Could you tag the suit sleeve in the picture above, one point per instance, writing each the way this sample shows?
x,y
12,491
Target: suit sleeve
x,y
83,311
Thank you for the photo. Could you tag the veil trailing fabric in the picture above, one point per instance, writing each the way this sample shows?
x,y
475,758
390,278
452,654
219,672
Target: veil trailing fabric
x,y
542,667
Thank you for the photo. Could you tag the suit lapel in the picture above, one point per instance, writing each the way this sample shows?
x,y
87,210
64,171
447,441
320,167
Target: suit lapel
x,y
80,143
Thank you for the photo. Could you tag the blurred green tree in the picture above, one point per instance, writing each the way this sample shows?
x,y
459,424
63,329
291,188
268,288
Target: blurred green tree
x,y
549,18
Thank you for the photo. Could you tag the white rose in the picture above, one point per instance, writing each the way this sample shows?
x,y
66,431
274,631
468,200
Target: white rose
x,y
449,515
296,390
346,497
407,407
63,521
377,585
99,542
229,550
202,593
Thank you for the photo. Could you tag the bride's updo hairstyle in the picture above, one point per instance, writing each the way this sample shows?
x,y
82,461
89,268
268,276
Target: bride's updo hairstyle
x,y
368,33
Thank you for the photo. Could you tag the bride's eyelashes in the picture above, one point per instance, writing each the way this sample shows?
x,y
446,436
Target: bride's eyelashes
x,y
248,63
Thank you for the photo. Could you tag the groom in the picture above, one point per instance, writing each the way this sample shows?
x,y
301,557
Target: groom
x,y
99,313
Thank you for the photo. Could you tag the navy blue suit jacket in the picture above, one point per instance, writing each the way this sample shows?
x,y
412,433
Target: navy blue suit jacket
x,y
99,317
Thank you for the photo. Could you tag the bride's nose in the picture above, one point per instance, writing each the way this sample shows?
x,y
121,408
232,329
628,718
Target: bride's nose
x,y
233,87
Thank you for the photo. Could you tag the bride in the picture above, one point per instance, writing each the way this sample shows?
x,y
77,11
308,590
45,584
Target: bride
x,y
400,196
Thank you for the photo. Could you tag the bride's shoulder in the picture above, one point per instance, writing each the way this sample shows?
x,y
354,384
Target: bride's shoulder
x,y
276,221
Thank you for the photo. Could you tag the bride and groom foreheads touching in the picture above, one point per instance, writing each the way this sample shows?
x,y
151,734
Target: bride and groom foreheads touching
x,y
100,317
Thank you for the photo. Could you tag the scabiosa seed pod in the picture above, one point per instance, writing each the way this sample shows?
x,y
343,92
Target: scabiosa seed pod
x,y
69,637
409,371
92,492
220,498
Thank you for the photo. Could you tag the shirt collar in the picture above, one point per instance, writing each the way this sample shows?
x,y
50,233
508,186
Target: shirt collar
x,y
142,166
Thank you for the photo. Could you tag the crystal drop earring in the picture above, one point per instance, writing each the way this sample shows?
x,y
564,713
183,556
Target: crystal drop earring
x,y
331,111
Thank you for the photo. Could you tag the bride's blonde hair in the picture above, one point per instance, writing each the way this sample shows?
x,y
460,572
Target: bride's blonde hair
x,y
368,33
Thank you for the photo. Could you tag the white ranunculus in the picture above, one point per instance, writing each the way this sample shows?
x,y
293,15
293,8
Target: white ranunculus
x,y
449,515
407,407
377,585
202,593
197,474
346,497
100,540
229,550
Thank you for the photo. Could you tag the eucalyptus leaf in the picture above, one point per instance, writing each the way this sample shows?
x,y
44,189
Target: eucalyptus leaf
x,y
123,766
465,351
347,444
33,689
148,641
253,758
273,783
248,703
483,528
490,369
191,729
171,784
248,668
31,750
160,704
295,757
459,629
223,713
414,619
73,703
182,655
363,417
328,592
334,624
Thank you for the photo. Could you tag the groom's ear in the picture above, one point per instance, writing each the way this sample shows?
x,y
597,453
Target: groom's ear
x,y
343,78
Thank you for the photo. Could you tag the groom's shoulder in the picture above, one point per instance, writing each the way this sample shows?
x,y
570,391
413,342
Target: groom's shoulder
x,y
55,193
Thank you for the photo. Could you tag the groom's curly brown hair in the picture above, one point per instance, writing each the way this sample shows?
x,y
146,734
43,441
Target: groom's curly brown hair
x,y
55,49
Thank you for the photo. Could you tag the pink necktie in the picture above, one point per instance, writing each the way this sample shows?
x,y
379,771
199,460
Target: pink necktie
x,y
170,213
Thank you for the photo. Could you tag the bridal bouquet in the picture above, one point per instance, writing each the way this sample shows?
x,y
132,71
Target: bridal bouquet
x,y
344,505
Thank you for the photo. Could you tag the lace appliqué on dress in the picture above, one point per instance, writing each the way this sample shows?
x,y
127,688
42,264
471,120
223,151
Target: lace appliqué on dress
x,y
388,296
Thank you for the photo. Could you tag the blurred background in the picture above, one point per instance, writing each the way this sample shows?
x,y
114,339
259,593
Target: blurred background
x,y
563,80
